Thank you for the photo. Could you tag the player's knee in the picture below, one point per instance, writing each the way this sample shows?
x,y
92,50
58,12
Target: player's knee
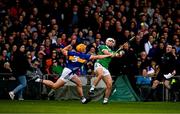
x,y
108,85
100,76
54,87
79,84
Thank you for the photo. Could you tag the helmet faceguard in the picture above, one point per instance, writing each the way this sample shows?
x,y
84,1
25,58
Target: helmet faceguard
x,y
110,42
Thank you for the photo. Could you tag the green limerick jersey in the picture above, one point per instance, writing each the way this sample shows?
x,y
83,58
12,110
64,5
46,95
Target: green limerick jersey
x,y
105,61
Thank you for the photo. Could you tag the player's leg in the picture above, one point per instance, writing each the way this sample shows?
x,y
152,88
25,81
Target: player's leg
x,y
171,90
78,83
108,81
98,69
59,83
167,84
99,74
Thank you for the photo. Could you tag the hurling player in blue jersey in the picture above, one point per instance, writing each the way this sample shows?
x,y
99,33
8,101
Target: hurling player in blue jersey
x,y
74,61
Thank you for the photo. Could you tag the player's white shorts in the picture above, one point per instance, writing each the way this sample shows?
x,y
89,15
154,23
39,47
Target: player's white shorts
x,y
105,71
67,74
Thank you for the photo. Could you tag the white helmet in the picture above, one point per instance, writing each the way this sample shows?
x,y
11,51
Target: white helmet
x,y
110,40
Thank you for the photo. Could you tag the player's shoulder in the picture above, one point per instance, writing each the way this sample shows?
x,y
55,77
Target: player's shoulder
x,y
102,46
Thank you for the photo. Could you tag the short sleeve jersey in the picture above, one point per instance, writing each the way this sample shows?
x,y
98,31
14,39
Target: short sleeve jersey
x,y
76,60
105,61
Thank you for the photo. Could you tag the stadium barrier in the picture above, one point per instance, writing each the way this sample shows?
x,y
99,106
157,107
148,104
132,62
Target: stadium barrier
x,y
144,86
37,90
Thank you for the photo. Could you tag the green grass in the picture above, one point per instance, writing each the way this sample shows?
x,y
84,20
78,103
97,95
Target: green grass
x,y
75,107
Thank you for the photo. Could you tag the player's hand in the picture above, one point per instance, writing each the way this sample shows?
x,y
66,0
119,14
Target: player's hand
x,y
115,54
121,53
174,72
73,42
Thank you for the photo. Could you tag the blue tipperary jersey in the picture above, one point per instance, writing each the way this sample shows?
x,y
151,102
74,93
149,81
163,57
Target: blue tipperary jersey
x,y
76,60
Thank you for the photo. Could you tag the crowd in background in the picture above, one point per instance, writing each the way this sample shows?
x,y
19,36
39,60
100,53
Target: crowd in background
x,y
46,26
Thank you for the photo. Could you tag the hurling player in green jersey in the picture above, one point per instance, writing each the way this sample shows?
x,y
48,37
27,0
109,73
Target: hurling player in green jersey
x,y
101,68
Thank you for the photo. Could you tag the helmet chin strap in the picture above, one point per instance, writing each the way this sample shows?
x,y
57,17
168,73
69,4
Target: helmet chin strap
x,y
110,46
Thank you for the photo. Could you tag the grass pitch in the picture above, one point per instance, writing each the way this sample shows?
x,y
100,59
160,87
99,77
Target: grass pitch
x,y
75,107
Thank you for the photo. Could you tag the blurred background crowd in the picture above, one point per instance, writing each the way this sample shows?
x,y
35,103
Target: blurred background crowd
x,y
46,26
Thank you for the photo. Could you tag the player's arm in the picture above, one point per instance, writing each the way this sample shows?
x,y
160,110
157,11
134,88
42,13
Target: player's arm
x,y
114,54
118,54
106,52
65,50
99,56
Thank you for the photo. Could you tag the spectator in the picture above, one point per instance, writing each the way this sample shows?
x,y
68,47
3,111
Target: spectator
x,y
148,44
81,38
14,49
90,38
22,23
35,71
41,58
129,62
106,30
177,45
2,41
20,65
143,63
5,57
6,68
167,70
137,45
154,51
56,69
